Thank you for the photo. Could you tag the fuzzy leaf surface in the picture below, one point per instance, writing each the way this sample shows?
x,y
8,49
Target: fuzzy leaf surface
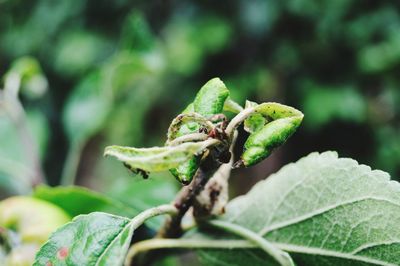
x,y
323,210
156,159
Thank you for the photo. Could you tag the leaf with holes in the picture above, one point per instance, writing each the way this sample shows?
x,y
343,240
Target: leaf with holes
x,y
323,210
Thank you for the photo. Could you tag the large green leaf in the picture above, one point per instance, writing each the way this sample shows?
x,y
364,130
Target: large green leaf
x,y
79,200
323,210
143,194
93,239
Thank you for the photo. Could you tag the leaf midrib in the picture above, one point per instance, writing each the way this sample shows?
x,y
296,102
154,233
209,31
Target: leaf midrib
x,y
243,244
111,242
265,230
328,253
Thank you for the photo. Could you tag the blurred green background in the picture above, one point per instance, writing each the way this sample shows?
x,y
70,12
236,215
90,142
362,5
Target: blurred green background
x,y
117,72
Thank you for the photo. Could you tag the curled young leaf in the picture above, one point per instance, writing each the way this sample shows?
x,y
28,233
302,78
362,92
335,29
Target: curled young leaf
x,y
255,121
209,101
185,171
30,75
187,123
157,159
259,145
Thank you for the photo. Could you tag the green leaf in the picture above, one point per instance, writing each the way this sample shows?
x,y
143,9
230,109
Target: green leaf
x,y
87,108
260,144
16,172
323,210
79,200
156,159
33,83
187,123
144,194
77,51
93,239
343,103
209,101
211,98
255,121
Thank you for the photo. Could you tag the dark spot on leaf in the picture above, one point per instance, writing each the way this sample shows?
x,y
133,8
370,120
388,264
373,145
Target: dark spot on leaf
x,y
62,253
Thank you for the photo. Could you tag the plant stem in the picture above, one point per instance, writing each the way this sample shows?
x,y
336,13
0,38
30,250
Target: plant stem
x,y
17,114
186,198
71,164
187,138
279,255
163,243
172,227
232,106
139,219
237,120
149,213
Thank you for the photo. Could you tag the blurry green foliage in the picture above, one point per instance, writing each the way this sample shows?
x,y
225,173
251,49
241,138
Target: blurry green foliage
x,y
322,105
117,73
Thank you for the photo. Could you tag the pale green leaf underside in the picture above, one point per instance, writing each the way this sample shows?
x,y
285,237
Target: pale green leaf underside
x,y
92,240
157,159
322,210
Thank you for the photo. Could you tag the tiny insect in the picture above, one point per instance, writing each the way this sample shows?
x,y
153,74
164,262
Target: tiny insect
x,y
137,171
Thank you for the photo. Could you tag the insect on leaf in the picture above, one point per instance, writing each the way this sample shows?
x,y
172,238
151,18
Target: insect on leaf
x,y
157,159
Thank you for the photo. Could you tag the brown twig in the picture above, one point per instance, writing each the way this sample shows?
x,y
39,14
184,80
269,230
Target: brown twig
x,y
186,198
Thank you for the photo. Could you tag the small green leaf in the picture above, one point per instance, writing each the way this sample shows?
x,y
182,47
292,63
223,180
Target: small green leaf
x,y
79,200
323,210
33,83
186,170
209,101
277,111
93,239
87,108
211,98
255,121
187,123
157,159
284,122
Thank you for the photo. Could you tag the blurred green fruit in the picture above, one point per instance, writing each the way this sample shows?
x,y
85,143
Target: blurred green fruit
x,y
32,219
23,255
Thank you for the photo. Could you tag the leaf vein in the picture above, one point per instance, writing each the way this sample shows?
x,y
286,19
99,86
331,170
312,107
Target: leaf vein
x,y
301,218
